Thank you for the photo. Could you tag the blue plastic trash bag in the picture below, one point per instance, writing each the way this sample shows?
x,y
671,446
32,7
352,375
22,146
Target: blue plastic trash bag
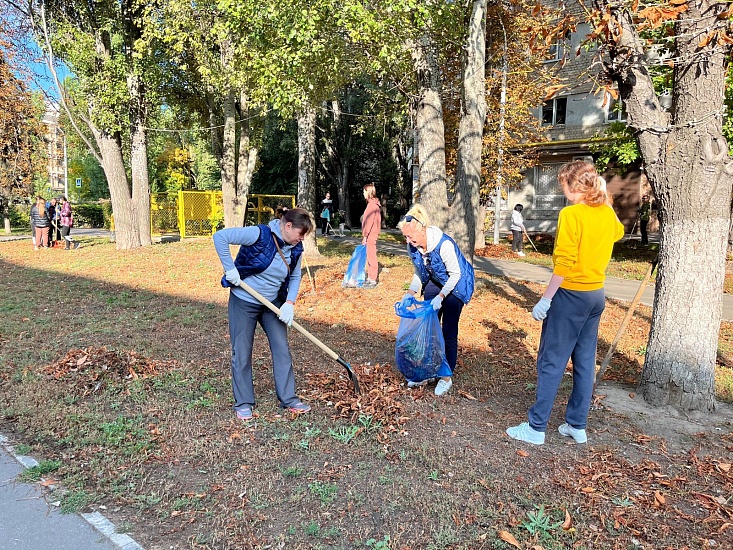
x,y
420,349
356,272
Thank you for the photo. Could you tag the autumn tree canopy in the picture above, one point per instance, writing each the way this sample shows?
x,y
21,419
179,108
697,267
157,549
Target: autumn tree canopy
x,y
21,135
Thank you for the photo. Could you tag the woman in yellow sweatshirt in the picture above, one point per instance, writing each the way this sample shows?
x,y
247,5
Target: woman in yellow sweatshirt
x,y
571,306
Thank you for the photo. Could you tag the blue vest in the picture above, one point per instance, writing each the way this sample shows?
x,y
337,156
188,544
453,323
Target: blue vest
x,y
435,269
258,256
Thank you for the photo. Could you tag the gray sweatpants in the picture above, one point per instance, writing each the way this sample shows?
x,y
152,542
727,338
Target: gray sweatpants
x,y
243,319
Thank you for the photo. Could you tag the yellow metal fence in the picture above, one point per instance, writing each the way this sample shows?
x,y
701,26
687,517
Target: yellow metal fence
x,y
201,213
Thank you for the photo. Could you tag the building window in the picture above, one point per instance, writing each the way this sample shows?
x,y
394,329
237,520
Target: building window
x,y
556,51
547,192
553,112
615,110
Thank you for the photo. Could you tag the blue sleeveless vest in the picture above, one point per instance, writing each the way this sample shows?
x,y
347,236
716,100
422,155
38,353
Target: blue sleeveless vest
x,y
435,269
258,256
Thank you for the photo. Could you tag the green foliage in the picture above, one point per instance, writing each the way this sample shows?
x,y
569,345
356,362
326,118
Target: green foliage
x,y
35,473
540,523
378,544
326,492
19,215
621,147
344,434
89,215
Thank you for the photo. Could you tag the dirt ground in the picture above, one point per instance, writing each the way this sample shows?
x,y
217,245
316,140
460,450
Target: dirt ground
x,y
133,400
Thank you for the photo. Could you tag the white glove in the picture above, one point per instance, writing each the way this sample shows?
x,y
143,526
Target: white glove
x,y
539,311
436,302
233,276
286,313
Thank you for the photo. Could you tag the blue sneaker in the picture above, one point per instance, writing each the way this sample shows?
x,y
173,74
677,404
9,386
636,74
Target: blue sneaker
x,y
244,412
525,432
578,435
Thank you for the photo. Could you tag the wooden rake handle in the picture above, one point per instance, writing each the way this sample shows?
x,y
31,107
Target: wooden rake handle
x,y
272,307
627,318
328,351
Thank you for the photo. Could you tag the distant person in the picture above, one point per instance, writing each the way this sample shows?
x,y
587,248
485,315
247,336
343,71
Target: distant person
x,y
645,212
326,213
443,276
67,222
517,228
571,306
40,222
54,214
269,261
371,225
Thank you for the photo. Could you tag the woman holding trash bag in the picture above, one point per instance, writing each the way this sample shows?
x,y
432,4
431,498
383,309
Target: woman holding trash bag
x,y
444,277
371,225
269,261
571,306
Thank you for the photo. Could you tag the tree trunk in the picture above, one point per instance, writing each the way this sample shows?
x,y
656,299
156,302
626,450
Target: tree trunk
x,y
688,168
431,189
247,157
127,230
139,159
229,163
306,172
466,204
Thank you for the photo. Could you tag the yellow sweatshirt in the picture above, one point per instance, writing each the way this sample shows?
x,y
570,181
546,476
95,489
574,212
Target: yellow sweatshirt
x,y
583,245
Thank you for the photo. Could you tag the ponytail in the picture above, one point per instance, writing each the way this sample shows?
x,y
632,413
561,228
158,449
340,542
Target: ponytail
x,y
582,178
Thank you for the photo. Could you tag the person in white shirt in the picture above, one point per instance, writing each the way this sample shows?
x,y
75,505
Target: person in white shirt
x,y
517,230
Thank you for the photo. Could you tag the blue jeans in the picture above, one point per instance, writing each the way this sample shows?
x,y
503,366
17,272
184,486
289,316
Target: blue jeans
x,y
570,331
449,315
243,319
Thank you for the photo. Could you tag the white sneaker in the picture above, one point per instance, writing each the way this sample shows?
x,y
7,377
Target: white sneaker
x,y
578,435
411,384
443,386
525,432
521,254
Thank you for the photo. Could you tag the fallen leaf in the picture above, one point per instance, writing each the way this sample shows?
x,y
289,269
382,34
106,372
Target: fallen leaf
x,y
467,395
47,482
725,466
81,360
506,536
568,523
632,395
588,490
659,499
520,452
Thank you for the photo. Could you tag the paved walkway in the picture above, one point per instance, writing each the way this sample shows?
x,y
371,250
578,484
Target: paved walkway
x,y
617,289
29,519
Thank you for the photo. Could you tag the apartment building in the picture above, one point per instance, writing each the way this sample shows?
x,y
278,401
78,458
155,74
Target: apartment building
x,y
55,148
573,120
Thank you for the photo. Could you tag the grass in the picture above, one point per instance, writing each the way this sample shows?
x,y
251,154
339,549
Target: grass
x,y
151,435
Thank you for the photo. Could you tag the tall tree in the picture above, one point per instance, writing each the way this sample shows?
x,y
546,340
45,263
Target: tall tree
x,y
21,139
103,45
686,160
466,202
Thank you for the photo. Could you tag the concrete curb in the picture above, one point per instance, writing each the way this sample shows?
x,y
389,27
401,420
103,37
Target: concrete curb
x,y
96,520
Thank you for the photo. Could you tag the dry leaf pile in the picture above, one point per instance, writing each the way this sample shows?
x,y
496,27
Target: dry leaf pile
x,y
495,251
90,368
638,490
381,390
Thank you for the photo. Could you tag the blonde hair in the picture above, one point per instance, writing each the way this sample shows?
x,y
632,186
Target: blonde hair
x,y
370,192
581,177
418,213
